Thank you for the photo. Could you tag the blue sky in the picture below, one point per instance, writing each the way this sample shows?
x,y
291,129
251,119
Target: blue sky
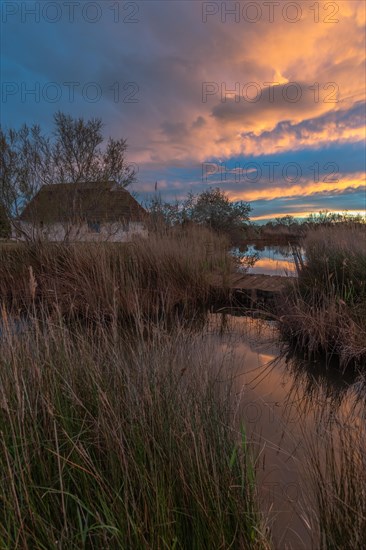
x,y
232,84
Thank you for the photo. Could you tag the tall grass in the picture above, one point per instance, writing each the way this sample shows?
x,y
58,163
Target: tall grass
x,y
331,415
163,272
112,437
109,443
325,308
337,466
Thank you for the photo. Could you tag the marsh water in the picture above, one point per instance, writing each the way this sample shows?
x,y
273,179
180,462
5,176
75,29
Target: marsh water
x,y
292,408
266,259
289,407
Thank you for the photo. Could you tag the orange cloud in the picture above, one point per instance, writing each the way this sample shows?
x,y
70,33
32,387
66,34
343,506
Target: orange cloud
x,y
306,188
307,52
305,214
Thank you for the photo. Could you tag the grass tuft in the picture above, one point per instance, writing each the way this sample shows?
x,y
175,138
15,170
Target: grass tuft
x,y
324,311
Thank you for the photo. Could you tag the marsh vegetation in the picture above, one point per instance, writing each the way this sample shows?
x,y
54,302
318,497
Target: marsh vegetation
x,y
126,410
325,307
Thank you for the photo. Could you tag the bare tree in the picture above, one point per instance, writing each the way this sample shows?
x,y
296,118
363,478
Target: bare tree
x,y
74,153
23,161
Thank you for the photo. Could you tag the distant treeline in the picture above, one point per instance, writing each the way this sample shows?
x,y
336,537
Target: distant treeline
x,y
288,227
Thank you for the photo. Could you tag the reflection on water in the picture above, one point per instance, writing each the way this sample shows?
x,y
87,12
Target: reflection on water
x,y
287,408
268,260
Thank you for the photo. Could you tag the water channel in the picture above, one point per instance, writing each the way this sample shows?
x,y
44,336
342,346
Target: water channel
x,y
289,408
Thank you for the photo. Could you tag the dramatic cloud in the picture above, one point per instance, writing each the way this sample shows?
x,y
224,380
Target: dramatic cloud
x,y
189,82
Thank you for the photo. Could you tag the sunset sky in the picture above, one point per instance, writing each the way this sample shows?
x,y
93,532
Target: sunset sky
x,y
265,99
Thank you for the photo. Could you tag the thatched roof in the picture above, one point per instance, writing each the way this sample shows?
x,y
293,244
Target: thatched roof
x,y
69,202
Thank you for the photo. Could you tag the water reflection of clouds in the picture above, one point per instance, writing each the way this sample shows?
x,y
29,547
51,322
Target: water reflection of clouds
x,y
289,408
262,383
271,266
267,260
288,404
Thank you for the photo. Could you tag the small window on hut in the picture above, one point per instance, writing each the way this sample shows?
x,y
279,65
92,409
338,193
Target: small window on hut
x,y
93,227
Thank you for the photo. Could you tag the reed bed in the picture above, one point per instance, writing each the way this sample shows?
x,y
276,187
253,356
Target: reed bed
x,y
119,434
331,416
336,464
324,311
165,272
115,442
